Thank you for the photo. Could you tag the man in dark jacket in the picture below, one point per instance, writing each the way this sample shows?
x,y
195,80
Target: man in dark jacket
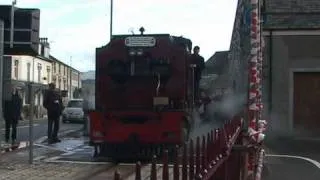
x,y
197,60
12,114
53,103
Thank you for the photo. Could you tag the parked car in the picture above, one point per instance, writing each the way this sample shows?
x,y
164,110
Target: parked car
x,y
73,112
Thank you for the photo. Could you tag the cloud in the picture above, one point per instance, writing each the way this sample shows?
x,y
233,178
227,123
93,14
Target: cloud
x,y
77,27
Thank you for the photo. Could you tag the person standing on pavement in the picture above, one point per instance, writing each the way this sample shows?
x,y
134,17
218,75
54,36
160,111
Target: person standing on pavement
x,y
12,114
53,103
200,65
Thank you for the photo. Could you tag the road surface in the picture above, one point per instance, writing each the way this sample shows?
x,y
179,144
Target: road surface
x,y
292,159
40,129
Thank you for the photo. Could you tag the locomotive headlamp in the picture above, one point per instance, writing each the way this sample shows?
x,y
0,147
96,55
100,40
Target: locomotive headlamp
x,y
139,52
132,52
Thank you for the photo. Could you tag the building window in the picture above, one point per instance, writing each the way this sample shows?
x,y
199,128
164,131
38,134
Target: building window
x,y
74,76
59,68
28,71
48,74
64,84
54,68
39,72
16,69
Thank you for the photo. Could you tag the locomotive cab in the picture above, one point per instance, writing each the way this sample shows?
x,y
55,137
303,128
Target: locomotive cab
x,y
142,95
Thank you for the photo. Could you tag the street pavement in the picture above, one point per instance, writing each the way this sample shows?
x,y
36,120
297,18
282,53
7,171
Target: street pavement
x,y
285,158
39,132
288,158
76,147
14,165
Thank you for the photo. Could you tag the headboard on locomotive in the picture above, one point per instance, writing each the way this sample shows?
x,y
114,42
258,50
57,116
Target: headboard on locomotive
x,y
141,72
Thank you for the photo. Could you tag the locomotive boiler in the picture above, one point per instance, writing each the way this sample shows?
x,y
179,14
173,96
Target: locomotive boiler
x,y
144,95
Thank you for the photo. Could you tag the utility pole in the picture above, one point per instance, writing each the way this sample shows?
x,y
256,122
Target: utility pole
x,y
111,18
70,61
31,101
14,2
70,80
1,77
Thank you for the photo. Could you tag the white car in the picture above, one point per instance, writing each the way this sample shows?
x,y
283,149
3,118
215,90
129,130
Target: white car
x,y
73,112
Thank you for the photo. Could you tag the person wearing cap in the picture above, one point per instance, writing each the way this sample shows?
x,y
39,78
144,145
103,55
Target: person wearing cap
x,y
53,103
199,63
12,113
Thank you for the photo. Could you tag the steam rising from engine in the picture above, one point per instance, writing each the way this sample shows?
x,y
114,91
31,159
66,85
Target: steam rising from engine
x,y
218,114
88,95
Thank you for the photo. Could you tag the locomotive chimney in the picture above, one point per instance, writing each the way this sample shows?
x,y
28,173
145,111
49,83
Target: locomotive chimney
x,y
141,30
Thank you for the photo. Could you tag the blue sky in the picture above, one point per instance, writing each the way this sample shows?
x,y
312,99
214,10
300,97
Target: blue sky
x,y
76,27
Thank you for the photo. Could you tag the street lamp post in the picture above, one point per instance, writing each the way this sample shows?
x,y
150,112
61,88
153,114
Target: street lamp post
x,y
31,101
111,18
1,78
33,89
14,2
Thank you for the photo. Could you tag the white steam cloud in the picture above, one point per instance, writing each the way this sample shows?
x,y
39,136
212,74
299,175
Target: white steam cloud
x,y
88,95
218,113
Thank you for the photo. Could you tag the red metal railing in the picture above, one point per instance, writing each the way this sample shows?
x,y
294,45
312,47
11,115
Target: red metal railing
x,y
211,157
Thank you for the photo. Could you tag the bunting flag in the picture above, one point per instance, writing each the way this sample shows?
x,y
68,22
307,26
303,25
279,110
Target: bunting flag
x,y
254,82
254,69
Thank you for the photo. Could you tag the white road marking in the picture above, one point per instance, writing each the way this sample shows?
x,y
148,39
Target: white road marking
x,y
314,162
54,160
20,127
39,158
52,148
63,133
158,165
40,140
68,154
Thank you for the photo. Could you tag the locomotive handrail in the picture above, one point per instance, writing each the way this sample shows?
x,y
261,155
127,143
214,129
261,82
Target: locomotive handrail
x,y
159,83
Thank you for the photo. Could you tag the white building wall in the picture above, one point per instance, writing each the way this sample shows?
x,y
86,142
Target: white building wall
x,y
75,78
61,78
23,61
34,62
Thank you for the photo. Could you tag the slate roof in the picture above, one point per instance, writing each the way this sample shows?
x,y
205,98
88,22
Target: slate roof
x,y
291,14
216,63
303,21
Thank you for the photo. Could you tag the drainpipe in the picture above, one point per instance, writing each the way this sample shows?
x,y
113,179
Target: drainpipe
x,y
270,71
33,69
70,83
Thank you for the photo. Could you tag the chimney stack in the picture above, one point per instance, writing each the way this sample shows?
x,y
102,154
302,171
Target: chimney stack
x,y
44,47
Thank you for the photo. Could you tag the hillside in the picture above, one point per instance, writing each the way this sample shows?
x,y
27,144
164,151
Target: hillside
x,y
88,75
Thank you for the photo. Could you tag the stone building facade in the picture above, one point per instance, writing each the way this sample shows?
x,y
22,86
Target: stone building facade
x,y
291,32
291,64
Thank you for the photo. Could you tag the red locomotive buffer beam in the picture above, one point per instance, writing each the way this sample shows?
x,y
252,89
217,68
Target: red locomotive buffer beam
x,y
149,127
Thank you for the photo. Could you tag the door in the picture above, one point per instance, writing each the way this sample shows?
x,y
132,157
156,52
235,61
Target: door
x,y
307,103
